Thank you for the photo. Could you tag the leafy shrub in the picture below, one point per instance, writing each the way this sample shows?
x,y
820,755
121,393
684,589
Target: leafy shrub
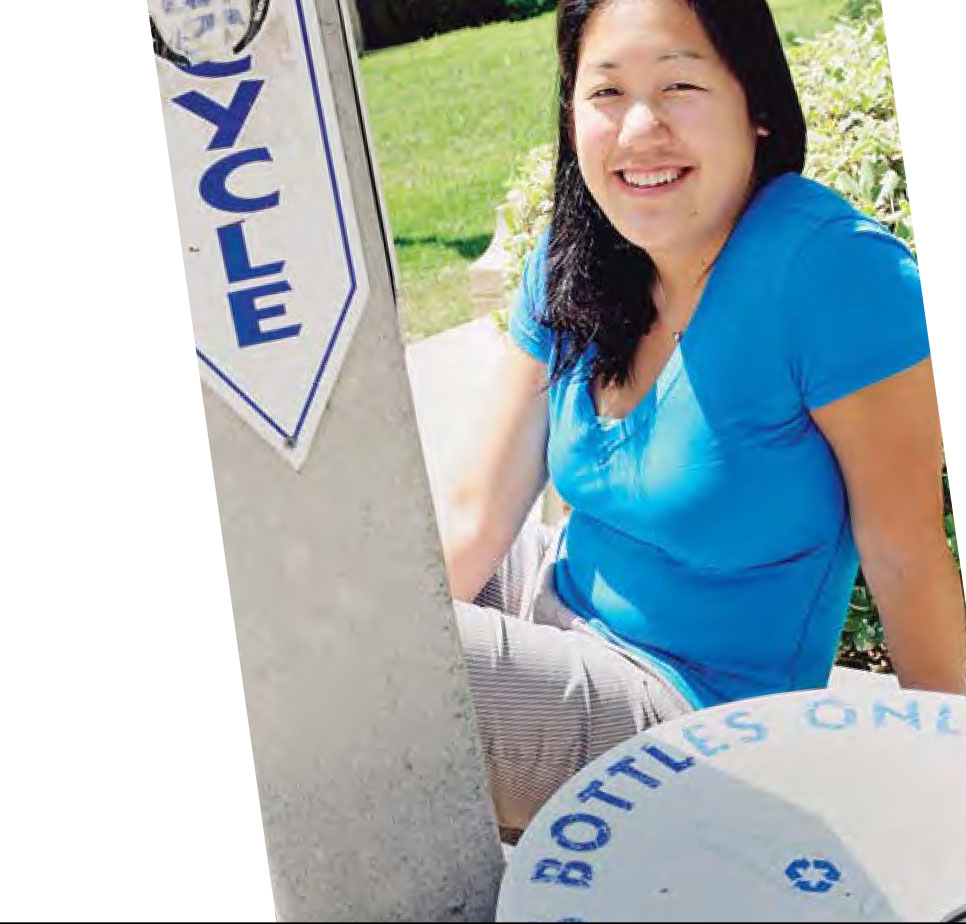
x,y
845,86
862,9
529,203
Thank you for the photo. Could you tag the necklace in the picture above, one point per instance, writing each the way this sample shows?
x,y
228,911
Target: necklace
x,y
676,334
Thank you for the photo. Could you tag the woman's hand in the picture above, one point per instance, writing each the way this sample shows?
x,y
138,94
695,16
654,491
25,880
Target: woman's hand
x,y
887,441
503,472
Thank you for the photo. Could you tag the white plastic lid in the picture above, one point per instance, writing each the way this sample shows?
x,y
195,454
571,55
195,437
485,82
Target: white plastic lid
x,y
823,805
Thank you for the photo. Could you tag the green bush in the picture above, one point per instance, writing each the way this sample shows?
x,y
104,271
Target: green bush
x,y
845,86
862,9
529,203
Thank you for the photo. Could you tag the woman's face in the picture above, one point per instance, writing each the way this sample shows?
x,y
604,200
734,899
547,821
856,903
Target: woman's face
x,y
661,128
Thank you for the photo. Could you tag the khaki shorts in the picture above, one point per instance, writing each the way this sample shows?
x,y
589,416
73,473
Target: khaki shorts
x,y
550,694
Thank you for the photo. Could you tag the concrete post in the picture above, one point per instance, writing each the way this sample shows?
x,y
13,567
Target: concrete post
x,y
370,777
355,24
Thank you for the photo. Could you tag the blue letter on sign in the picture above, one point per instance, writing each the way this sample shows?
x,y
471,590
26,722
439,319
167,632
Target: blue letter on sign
x,y
846,719
626,765
678,766
576,874
559,832
248,317
758,731
944,724
595,790
229,121
702,745
234,254
881,712
215,193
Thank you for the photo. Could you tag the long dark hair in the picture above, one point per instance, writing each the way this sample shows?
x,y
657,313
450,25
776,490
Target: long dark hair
x,y
598,283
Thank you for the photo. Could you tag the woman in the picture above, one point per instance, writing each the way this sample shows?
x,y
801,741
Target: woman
x,y
725,368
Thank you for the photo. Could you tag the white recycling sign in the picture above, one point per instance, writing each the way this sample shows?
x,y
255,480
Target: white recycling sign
x,y
272,250
822,805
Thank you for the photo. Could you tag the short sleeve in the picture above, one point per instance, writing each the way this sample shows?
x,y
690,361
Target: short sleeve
x,y
856,310
526,329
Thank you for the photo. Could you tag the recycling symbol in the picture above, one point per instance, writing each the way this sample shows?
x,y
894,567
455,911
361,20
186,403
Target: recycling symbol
x,y
814,876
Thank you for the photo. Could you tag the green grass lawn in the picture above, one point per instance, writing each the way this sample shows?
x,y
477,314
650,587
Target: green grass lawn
x,y
450,117
803,18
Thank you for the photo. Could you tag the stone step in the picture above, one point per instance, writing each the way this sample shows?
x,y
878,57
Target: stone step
x,y
451,374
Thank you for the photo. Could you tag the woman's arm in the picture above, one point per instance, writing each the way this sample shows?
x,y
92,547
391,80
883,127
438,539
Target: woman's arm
x,y
503,472
887,441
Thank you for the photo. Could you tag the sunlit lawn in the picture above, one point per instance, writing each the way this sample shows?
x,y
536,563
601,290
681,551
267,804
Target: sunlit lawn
x,y
450,117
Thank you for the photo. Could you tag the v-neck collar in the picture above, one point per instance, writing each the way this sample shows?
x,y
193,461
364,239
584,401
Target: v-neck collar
x,y
616,429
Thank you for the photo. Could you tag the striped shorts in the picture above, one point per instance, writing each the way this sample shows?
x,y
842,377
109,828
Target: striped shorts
x,y
550,694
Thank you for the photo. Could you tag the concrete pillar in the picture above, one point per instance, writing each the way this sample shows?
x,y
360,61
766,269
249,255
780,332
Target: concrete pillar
x,y
370,776
351,8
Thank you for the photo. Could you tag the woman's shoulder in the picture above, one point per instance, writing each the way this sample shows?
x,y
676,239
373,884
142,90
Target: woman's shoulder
x,y
848,293
526,323
793,208
794,220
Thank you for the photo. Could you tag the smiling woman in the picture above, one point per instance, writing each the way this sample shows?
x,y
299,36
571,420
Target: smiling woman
x,y
724,369
650,90
654,113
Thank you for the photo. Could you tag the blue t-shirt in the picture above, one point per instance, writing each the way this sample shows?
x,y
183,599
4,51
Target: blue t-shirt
x,y
710,528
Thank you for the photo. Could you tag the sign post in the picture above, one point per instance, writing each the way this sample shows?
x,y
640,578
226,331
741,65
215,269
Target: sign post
x,y
371,782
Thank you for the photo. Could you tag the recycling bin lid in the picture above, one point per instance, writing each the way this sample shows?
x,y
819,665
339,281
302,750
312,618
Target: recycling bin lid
x,y
809,806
